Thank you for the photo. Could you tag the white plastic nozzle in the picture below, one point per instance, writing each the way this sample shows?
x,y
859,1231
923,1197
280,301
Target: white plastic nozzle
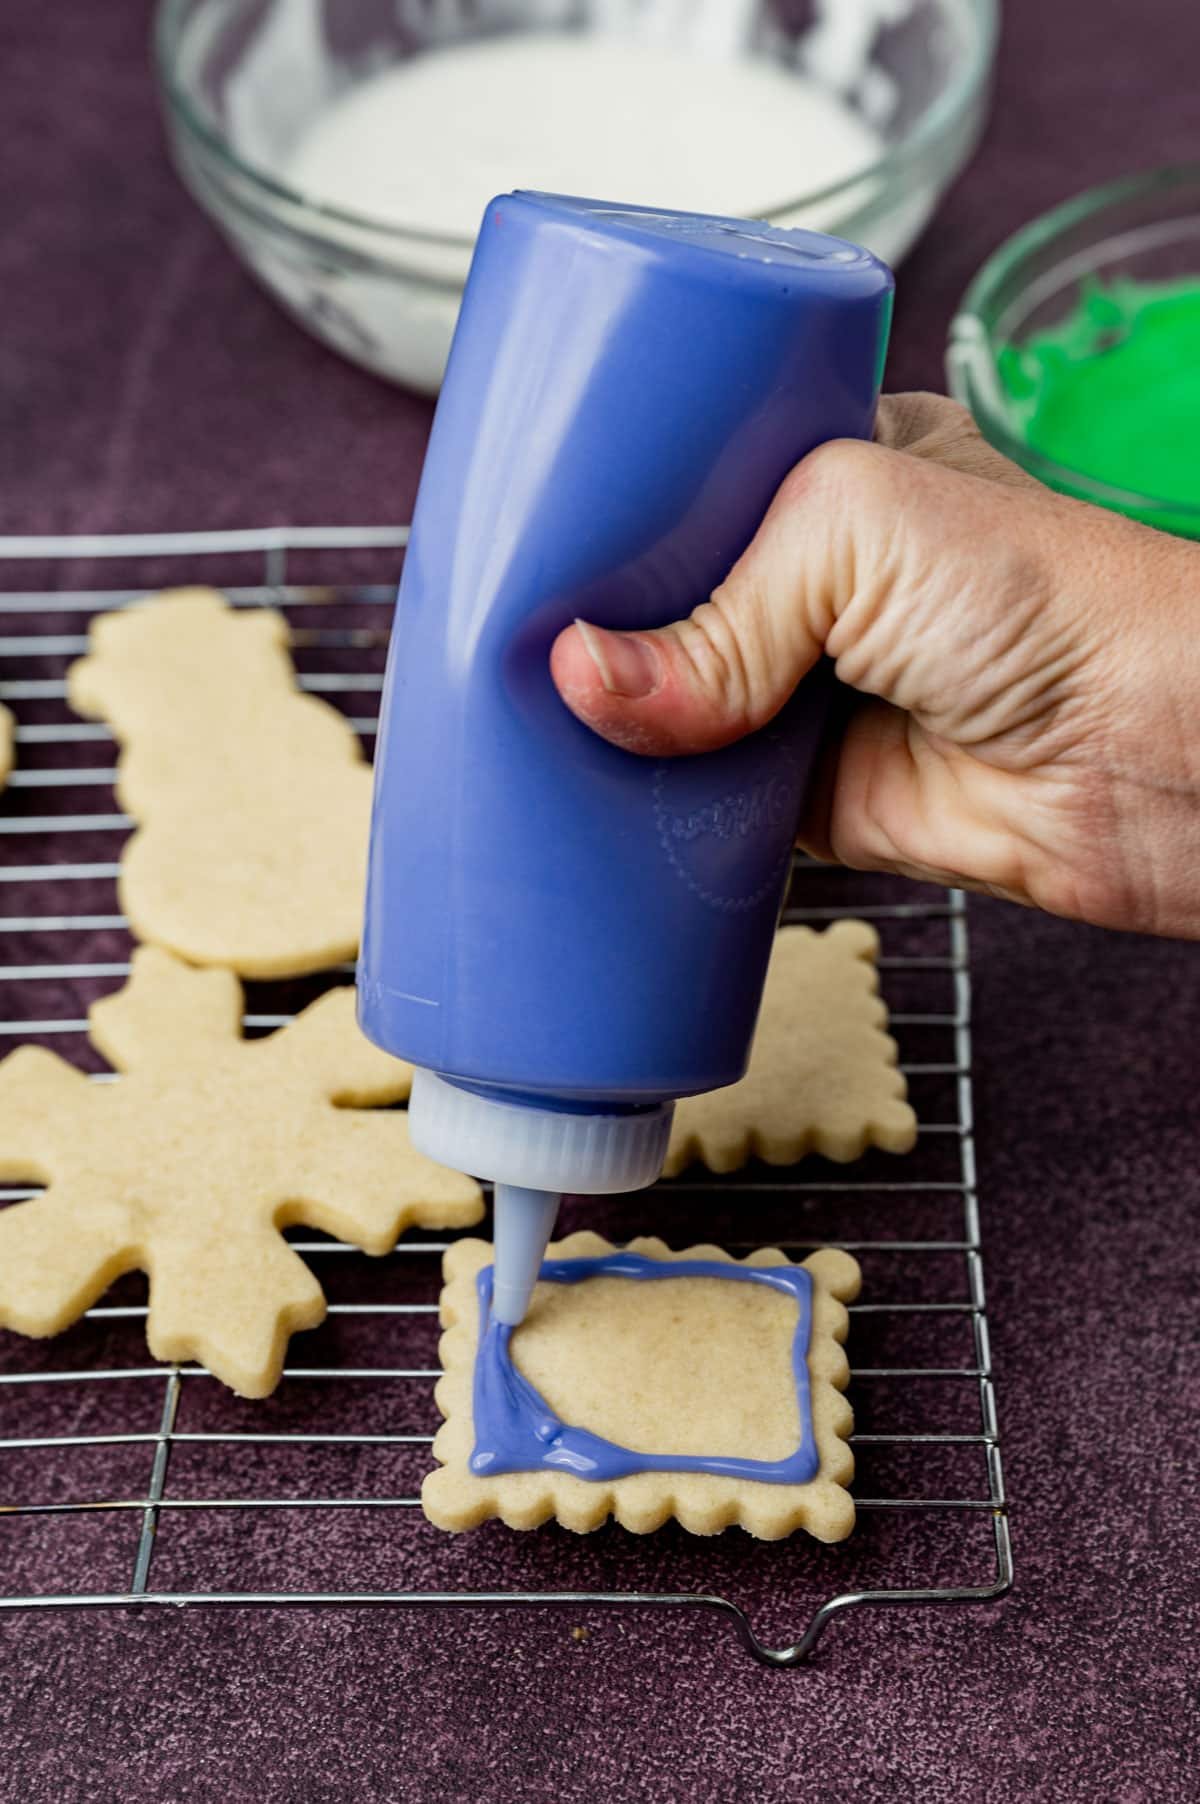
x,y
524,1223
533,1154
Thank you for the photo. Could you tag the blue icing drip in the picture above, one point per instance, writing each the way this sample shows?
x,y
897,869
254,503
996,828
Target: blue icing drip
x,y
517,1431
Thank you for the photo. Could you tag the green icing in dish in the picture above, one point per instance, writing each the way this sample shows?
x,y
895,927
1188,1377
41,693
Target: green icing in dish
x,y
1113,393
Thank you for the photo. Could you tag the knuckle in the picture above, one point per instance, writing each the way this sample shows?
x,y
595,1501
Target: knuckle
x,y
835,472
905,421
722,661
957,428
957,417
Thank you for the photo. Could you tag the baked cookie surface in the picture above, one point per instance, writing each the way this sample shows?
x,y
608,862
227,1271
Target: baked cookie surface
x,y
710,1396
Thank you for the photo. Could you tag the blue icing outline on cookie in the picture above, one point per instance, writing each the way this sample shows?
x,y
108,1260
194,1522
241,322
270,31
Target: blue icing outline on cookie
x,y
517,1431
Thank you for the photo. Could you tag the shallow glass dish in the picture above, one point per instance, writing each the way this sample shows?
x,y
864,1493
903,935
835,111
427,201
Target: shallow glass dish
x,y
242,80
1145,228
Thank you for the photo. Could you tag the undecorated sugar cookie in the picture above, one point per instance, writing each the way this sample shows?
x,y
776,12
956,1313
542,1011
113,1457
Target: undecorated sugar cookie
x,y
822,1076
7,743
189,1165
646,1384
252,799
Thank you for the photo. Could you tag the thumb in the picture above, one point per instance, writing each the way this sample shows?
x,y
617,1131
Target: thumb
x,y
897,535
703,682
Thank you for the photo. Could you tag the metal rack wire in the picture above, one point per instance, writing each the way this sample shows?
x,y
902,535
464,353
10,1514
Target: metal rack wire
x,y
359,1412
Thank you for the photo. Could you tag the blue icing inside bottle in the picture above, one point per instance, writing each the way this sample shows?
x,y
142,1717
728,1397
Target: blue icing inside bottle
x,y
562,937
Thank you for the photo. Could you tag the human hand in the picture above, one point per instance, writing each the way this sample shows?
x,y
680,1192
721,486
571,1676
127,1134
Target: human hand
x,y
1028,667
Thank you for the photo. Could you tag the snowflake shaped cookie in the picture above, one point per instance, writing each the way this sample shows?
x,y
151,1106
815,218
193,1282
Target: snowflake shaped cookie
x,y
189,1165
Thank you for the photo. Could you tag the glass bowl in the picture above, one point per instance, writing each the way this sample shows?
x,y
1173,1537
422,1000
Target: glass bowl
x,y
241,80
1145,228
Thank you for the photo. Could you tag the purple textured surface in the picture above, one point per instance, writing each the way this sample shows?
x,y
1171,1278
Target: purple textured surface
x,y
147,384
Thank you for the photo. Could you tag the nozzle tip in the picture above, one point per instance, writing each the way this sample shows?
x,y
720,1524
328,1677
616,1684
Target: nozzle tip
x,y
524,1224
510,1302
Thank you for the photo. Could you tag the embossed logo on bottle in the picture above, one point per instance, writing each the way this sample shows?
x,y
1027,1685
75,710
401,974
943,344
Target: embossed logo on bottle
x,y
742,812
726,821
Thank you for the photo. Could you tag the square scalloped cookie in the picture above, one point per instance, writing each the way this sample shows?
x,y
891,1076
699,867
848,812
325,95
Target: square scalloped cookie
x,y
822,1077
691,1368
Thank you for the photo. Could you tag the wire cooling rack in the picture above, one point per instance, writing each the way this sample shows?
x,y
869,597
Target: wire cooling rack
x,y
128,1484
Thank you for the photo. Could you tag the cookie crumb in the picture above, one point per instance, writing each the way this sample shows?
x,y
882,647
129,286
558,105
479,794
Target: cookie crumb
x,y
580,1634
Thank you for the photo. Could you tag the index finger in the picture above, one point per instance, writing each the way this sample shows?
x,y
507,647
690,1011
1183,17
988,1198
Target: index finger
x,y
940,431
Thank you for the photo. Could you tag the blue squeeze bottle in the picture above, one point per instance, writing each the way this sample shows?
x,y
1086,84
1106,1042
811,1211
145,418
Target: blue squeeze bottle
x,y
564,937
